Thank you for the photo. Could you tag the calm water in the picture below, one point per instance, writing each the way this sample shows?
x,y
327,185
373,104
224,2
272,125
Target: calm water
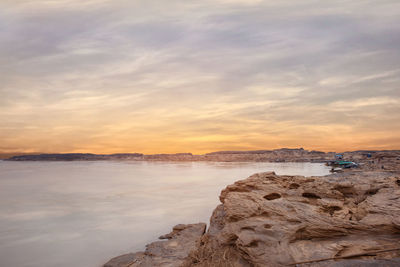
x,y
63,214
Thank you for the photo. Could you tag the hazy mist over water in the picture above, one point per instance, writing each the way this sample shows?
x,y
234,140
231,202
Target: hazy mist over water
x,y
83,213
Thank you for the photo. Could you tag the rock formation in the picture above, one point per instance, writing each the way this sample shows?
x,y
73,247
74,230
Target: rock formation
x,y
388,160
76,156
183,240
346,219
368,160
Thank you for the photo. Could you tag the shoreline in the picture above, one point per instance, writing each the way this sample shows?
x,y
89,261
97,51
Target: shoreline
x,y
277,155
271,220
364,159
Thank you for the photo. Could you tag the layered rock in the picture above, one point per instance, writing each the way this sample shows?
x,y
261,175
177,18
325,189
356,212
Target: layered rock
x,y
376,160
183,240
270,220
278,155
370,160
347,219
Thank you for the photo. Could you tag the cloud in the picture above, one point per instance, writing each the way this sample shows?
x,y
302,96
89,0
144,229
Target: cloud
x,y
161,77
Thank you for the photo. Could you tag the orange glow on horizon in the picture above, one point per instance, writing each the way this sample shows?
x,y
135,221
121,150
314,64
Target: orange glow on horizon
x,y
198,76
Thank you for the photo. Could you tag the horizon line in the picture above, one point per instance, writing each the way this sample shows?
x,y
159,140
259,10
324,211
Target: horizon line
x,y
193,153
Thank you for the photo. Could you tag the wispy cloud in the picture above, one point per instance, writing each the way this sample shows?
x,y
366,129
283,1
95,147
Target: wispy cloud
x,y
156,76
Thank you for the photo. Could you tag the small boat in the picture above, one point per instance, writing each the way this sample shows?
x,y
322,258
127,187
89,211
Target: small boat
x,y
342,164
347,164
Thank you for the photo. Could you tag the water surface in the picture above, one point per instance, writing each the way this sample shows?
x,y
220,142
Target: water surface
x,y
63,214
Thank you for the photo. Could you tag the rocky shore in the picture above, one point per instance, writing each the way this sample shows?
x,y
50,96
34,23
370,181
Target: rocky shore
x,y
345,219
351,218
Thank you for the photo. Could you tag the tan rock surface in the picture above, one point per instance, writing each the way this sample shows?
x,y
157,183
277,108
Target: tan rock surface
x,y
270,220
183,240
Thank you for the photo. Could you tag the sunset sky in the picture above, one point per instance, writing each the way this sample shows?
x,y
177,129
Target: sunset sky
x,y
157,76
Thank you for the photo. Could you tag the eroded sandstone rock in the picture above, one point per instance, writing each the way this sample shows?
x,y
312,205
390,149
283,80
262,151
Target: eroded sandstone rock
x,y
183,240
348,219
270,220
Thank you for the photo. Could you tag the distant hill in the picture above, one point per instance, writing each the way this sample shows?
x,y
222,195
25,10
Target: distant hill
x,y
12,154
277,155
74,156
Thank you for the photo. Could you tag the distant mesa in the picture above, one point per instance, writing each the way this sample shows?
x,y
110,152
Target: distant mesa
x,y
387,160
259,151
74,156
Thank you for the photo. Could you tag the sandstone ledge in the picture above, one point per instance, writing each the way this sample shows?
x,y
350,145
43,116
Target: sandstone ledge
x,y
183,240
270,220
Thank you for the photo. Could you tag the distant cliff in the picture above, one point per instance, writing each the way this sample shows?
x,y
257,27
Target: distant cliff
x,y
278,155
388,159
74,156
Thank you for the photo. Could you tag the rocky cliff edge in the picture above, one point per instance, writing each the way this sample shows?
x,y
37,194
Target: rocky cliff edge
x,y
349,219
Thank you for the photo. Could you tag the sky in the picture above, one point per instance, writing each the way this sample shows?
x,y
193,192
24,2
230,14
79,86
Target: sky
x,y
156,76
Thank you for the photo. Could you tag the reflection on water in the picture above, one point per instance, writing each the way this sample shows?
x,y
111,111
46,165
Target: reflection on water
x,y
83,213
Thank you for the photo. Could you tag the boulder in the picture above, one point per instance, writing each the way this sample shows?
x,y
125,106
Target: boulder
x,y
184,239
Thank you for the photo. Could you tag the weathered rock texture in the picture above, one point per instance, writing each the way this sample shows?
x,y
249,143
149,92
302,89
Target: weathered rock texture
x,y
270,220
378,160
184,239
347,219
